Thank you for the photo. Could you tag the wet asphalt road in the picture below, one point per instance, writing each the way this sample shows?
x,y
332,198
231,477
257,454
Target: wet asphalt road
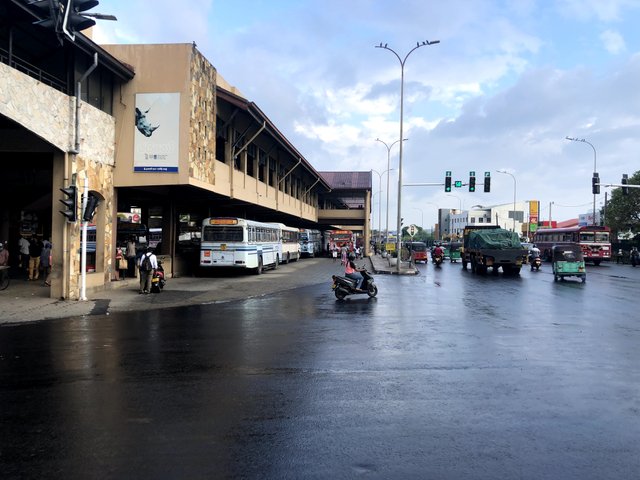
x,y
444,375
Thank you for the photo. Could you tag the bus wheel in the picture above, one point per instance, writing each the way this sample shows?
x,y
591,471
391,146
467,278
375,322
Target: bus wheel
x,y
259,269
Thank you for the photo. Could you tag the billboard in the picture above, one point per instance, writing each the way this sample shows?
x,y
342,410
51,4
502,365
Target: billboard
x,y
156,132
534,211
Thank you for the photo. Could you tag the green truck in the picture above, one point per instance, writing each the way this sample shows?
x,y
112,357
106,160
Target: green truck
x,y
490,246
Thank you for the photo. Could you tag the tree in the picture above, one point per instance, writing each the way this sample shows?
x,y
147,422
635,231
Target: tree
x,y
623,211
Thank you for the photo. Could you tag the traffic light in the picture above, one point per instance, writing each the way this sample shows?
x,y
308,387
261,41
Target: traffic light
x,y
625,181
472,181
52,14
595,183
90,209
61,15
71,202
487,182
447,181
76,21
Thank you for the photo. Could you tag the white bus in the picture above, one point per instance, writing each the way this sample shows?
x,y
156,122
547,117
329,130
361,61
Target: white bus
x,y
239,243
310,242
290,249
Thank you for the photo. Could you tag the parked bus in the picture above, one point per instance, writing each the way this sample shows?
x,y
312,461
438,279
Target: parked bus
x,y
338,238
594,241
239,243
310,242
290,250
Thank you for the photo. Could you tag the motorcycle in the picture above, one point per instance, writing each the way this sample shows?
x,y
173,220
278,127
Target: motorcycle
x,y
437,260
158,281
343,286
535,262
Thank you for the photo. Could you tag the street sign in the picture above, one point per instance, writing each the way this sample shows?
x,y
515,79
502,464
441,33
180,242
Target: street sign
x,y
412,229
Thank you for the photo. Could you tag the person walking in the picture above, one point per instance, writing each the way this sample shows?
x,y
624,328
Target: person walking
x,y
45,262
130,253
35,250
147,265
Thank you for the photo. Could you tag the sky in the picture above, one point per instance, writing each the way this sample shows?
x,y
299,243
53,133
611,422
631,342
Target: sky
x,y
507,83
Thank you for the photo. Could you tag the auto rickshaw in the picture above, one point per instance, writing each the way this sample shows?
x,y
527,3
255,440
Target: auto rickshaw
x,y
454,251
568,262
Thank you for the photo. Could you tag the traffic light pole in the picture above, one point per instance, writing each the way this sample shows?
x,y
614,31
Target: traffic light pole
x,y
83,255
628,185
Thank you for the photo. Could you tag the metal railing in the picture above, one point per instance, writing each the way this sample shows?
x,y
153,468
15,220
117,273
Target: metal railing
x,y
33,71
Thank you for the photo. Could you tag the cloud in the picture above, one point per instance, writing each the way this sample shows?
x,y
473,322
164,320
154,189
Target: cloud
x,y
613,42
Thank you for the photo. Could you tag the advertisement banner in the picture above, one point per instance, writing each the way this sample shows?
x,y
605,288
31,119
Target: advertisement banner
x,y
156,135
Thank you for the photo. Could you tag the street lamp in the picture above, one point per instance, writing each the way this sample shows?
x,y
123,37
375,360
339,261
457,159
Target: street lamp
x,y
514,196
421,218
402,62
573,139
386,233
380,200
459,200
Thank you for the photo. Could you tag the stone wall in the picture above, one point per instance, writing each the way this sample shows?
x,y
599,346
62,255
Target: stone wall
x,y
202,131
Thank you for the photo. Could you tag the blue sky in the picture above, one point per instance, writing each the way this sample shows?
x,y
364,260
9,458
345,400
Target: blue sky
x,y
508,81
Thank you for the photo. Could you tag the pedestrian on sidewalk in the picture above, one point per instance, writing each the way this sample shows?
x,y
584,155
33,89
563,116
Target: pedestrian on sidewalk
x,y
45,262
23,251
130,253
147,265
35,250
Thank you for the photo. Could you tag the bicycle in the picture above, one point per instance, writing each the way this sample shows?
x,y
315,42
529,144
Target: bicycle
x,y
4,277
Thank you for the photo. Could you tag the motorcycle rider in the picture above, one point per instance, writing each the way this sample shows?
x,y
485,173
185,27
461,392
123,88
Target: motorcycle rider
x,y
635,256
437,252
534,253
351,270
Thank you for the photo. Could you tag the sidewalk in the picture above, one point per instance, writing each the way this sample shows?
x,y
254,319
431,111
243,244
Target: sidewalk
x,y
389,265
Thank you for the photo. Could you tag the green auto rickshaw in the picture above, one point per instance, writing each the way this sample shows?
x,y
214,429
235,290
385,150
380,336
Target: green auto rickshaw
x,y
568,262
454,251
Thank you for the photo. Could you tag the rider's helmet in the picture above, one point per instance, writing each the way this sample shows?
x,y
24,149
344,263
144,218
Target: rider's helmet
x,y
352,256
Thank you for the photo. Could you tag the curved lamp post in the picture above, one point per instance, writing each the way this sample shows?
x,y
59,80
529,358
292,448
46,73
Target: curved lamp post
x,y
573,139
380,200
514,196
421,216
402,62
386,233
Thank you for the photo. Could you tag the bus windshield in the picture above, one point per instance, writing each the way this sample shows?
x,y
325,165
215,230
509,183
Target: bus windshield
x,y
222,234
